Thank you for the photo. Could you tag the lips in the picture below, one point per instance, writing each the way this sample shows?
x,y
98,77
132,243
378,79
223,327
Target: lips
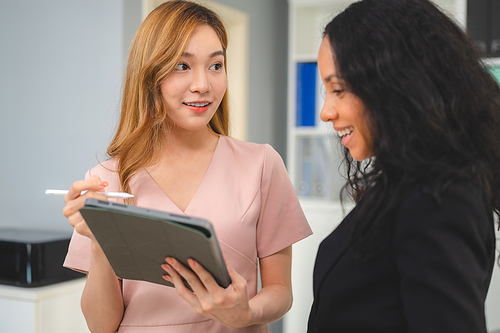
x,y
198,107
345,132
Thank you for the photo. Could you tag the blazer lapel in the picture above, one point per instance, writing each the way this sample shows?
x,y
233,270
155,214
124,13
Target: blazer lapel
x,y
331,249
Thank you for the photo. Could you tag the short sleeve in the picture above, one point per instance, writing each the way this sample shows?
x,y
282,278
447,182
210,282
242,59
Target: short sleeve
x,y
79,250
282,221
445,253
78,256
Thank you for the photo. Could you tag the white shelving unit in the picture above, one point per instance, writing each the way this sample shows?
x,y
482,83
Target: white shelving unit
x,y
306,22
307,19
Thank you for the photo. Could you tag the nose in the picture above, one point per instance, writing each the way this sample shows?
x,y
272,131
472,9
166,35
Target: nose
x,y
201,82
328,112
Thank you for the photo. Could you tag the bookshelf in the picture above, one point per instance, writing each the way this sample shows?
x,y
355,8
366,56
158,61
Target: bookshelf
x,y
310,145
312,156
312,150
307,19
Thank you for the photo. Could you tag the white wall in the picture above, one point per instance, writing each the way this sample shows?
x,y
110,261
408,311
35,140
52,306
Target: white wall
x,y
267,72
60,78
61,67
493,298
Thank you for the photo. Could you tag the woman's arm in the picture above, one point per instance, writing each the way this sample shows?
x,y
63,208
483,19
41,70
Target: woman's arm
x,y
275,298
231,306
445,254
102,301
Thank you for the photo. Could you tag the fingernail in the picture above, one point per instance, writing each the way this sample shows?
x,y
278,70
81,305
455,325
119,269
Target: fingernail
x,y
166,277
103,183
191,263
170,261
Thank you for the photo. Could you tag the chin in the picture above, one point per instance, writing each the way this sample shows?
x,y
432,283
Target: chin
x,y
360,157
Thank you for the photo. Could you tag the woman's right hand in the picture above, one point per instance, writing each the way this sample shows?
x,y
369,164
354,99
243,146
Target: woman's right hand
x,y
75,200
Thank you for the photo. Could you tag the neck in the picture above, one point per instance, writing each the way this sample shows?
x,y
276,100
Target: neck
x,y
186,142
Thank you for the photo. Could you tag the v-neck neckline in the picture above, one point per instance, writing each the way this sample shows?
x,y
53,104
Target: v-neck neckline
x,y
198,190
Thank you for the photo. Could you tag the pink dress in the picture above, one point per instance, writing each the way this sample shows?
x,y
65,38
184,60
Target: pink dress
x,y
246,194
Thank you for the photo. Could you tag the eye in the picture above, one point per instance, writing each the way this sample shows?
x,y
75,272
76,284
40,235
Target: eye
x,y
332,88
323,90
217,66
182,67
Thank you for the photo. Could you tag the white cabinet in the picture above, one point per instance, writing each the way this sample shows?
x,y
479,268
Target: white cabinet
x,y
49,309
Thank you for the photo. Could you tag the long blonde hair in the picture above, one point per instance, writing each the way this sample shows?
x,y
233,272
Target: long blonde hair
x,y
155,52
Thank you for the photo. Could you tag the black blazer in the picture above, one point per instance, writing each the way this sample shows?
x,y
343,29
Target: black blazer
x,y
433,275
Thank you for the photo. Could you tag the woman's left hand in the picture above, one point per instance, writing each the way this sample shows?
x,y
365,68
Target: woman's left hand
x,y
230,306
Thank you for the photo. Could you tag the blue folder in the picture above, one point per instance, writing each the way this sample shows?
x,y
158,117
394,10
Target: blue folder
x,y
306,94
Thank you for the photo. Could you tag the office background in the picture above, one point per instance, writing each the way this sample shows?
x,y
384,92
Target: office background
x,y
61,69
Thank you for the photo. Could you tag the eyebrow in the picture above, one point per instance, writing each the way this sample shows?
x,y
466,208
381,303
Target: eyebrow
x,y
331,77
212,55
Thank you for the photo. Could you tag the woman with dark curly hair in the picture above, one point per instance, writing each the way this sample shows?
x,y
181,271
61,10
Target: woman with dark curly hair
x,y
418,115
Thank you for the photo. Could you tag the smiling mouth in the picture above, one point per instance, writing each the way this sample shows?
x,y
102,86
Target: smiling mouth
x,y
197,105
345,132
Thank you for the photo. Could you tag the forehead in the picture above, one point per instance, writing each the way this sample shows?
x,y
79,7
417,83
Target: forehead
x,y
203,38
326,63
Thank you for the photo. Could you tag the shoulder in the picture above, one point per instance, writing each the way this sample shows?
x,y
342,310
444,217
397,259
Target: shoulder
x,y
243,150
106,167
107,171
460,206
456,194
242,146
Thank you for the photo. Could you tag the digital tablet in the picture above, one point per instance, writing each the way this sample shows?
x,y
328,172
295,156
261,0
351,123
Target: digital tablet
x,y
137,240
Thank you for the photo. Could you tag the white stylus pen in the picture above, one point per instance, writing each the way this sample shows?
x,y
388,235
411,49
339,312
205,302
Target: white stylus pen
x,y
116,195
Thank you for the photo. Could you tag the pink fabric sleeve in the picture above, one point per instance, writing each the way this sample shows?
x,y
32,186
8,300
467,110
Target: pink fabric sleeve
x,y
78,256
282,221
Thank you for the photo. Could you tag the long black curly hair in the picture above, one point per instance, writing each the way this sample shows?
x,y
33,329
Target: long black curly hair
x,y
433,105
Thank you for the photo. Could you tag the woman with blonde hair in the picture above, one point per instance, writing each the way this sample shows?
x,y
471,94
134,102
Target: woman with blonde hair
x,y
172,151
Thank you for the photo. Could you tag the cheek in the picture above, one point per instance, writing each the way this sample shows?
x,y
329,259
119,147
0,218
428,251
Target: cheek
x,y
221,86
367,137
175,83
165,89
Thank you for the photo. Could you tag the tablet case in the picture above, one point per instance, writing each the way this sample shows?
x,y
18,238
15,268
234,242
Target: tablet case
x,y
137,240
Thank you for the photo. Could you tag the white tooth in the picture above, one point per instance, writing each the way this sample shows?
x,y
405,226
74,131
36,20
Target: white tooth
x,y
346,131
